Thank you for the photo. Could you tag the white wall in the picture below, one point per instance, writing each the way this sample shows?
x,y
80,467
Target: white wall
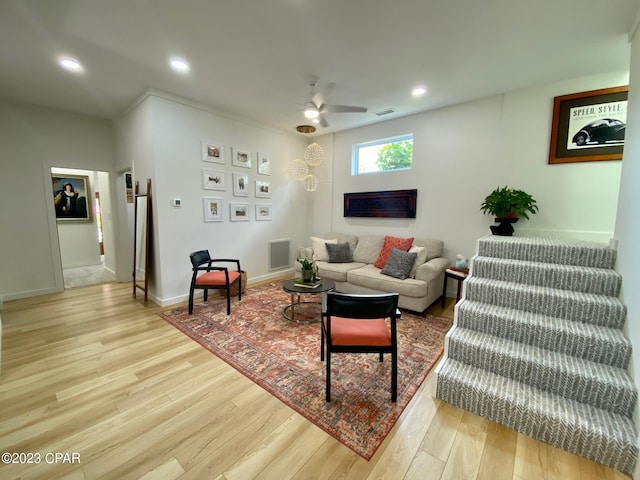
x,y
454,149
461,153
627,231
176,129
32,140
575,199
133,142
322,199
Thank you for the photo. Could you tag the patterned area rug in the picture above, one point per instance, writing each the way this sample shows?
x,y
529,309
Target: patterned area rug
x,y
284,359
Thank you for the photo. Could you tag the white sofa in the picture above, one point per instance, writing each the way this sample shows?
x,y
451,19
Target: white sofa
x,y
417,292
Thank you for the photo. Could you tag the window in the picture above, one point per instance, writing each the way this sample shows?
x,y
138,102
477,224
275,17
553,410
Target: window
x,y
384,155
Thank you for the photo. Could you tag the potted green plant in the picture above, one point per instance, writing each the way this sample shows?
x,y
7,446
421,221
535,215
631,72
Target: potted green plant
x,y
307,269
508,205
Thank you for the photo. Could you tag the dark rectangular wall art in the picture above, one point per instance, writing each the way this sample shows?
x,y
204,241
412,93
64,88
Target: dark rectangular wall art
x,y
390,204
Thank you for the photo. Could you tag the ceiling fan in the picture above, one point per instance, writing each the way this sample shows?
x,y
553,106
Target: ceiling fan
x,y
315,109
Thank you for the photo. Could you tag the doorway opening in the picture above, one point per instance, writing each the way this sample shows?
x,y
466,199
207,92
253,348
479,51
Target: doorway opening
x,y
84,228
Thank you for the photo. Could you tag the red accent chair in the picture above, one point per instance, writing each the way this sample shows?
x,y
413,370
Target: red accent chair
x,y
356,324
215,277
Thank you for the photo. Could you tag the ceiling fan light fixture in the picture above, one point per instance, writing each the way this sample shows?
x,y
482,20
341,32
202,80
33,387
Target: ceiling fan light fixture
x,y
311,111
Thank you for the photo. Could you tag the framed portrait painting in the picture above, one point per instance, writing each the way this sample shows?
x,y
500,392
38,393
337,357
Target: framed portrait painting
x,y
71,198
589,126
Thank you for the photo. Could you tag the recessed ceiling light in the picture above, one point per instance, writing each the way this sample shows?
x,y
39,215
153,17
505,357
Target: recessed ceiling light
x,y
179,65
418,91
70,64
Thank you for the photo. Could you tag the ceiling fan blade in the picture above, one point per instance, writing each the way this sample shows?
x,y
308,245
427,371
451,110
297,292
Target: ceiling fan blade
x,y
341,109
320,96
323,122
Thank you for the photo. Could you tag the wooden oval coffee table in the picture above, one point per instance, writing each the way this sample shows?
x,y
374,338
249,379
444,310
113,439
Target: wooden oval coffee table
x,y
294,289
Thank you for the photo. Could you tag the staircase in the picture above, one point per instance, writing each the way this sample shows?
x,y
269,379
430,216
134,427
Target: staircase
x,y
537,346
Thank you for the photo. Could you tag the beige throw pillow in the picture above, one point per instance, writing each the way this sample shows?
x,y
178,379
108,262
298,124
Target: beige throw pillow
x,y
421,257
320,249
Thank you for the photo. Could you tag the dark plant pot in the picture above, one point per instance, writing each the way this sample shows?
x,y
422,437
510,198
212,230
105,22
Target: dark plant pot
x,y
306,275
504,227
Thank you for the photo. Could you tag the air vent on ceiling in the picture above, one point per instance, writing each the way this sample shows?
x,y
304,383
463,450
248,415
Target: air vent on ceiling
x,y
385,112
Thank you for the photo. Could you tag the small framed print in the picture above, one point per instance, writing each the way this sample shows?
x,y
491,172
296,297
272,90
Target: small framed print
x,y
241,158
239,212
212,209
128,181
213,179
211,152
240,185
264,163
263,189
263,211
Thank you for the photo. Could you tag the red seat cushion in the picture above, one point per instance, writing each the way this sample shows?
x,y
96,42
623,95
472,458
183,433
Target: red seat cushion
x,y
354,331
216,278
390,243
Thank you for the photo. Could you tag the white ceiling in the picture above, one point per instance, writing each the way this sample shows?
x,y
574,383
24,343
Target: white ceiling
x,y
255,58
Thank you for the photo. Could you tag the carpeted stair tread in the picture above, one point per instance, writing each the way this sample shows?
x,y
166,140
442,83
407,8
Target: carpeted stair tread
x,y
538,345
591,342
582,307
599,281
549,250
597,434
601,386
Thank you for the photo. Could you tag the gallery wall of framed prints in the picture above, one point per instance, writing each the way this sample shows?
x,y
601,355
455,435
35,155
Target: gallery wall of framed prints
x,y
217,173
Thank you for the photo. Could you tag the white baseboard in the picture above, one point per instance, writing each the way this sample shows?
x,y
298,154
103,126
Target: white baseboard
x,y
270,276
166,302
29,293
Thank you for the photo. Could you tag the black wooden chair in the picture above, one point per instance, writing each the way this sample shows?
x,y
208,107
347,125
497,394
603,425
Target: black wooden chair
x,y
214,277
356,324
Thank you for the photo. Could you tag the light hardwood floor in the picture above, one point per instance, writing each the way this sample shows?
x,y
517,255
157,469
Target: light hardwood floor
x,y
92,372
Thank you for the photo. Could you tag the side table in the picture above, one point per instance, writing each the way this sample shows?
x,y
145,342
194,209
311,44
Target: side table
x,y
458,274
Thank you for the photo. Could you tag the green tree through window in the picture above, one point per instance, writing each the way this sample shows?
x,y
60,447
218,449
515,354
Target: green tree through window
x,y
393,156
384,155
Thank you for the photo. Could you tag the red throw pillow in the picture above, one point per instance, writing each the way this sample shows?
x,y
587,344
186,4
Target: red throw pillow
x,y
390,243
